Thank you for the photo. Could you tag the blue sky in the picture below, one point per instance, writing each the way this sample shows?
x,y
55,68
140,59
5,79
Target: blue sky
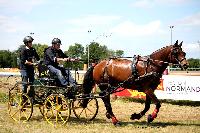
x,y
135,26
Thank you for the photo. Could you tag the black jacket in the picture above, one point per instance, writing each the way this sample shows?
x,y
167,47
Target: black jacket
x,y
50,55
30,55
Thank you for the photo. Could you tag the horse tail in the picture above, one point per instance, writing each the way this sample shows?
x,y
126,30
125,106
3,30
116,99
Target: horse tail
x,y
88,84
88,81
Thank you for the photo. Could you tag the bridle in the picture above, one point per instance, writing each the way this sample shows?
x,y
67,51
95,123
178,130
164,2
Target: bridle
x,y
174,55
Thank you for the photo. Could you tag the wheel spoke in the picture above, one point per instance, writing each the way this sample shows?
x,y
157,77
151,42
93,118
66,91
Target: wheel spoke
x,y
89,112
81,112
20,109
59,112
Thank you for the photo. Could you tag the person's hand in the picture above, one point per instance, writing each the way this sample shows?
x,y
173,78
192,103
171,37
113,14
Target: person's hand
x,y
28,63
35,63
66,59
74,59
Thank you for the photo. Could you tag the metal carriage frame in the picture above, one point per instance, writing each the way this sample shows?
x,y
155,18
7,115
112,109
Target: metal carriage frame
x,y
55,103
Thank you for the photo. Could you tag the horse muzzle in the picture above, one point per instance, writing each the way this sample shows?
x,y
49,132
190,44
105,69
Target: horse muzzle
x,y
184,64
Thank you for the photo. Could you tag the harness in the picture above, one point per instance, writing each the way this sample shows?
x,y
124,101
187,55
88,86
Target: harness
x,y
133,66
135,78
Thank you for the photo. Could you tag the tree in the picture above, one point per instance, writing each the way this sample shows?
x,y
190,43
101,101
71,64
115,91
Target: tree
x,y
194,63
119,53
7,59
40,49
75,51
96,51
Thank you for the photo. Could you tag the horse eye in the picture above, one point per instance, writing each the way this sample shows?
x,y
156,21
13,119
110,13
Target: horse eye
x,y
175,51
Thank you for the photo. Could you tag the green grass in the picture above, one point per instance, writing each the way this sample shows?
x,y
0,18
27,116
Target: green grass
x,y
3,97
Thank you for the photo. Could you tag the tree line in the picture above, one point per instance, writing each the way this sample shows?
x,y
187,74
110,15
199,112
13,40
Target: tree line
x,y
9,59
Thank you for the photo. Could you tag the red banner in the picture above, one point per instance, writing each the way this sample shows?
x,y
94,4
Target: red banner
x,y
135,93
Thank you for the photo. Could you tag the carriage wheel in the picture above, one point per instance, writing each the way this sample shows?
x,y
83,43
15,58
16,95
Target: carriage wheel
x,y
41,108
20,107
85,113
56,110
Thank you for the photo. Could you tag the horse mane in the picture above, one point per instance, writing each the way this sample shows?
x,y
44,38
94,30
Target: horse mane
x,y
161,49
119,59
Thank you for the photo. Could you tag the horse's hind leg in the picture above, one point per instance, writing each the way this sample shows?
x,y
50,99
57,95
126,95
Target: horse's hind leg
x,y
146,108
109,113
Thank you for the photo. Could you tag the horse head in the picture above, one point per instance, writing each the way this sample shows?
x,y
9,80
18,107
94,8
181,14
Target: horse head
x,y
177,56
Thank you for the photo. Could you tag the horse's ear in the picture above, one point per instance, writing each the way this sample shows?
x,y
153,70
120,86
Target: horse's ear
x,y
176,44
180,44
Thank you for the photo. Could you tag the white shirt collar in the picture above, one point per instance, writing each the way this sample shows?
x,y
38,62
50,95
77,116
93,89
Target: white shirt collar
x,y
27,47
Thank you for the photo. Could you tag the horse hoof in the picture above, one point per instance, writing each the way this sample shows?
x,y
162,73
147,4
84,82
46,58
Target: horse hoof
x,y
135,116
108,115
149,118
117,124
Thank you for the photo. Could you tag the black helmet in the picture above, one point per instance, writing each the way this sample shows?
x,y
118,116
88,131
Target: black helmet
x,y
27,39
56,41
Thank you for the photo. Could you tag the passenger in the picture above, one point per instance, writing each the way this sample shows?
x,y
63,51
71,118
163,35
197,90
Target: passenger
x,y
52,56
28,56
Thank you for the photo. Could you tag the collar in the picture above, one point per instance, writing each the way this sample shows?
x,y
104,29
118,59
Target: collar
x,y
27,47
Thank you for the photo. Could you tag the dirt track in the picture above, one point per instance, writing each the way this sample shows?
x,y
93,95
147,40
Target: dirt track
x,y
171,118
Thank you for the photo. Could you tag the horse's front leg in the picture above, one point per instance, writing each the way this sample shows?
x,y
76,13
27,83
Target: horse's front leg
x,y
142,113
109,113
153,97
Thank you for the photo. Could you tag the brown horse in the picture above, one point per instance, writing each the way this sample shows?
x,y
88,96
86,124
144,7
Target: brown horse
x,y
142,74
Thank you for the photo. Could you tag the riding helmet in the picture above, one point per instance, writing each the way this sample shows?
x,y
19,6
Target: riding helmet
x,y
27,39
56,41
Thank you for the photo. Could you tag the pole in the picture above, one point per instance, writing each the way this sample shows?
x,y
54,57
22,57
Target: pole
x,y
199,52
89,31
171,27
88,55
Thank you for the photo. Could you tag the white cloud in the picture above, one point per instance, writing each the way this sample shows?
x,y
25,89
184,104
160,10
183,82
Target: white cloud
x,y
192,50
143,4
19,5
13,24
130,29
152,3
93,20
172,2
193,20
191,47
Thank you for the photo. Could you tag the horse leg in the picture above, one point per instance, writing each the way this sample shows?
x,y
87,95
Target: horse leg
x,y
109,113
153,97
142,113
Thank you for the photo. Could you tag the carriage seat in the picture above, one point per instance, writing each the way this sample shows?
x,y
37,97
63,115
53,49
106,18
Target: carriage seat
x,y
43,70
45,75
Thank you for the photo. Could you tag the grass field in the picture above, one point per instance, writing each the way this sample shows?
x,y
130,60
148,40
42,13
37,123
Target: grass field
x,y
171,119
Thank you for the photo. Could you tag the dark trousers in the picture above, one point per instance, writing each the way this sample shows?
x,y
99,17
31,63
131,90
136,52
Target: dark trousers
x,y
28,77
63,75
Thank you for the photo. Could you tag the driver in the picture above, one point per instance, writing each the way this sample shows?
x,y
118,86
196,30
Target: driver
x,y
52,56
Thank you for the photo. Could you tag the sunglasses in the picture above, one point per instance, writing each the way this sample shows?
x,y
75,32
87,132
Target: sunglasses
x,y
29,41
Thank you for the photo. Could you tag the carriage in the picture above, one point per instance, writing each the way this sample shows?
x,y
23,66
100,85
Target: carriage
x,y
143,73
55,102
